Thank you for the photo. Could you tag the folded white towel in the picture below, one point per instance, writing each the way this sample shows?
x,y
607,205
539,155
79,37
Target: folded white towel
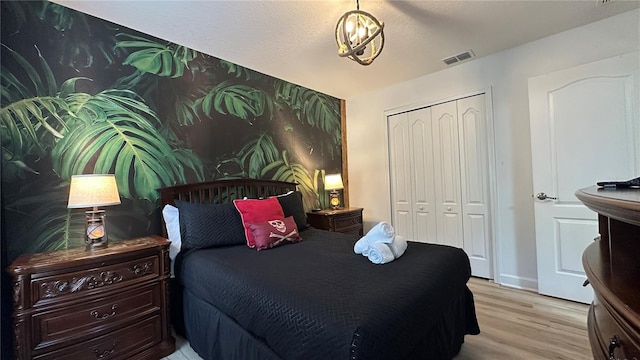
x,y
382,253
381,233
383,229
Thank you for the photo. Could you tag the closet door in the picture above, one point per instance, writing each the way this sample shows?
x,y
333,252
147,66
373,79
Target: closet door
x,y
400,175
422,175
444,118
474,174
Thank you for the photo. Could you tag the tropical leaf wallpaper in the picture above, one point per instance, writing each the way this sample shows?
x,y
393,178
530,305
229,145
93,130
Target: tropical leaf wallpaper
x,y
81,95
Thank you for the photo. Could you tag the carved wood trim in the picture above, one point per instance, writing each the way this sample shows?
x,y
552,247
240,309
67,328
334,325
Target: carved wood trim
x,y
17,295
167,263
18,338
94,280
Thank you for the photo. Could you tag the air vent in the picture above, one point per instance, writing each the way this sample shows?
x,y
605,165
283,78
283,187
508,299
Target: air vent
x,y
451,60
461,57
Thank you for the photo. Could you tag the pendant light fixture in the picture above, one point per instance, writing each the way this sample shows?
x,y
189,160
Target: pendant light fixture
x,y
359,36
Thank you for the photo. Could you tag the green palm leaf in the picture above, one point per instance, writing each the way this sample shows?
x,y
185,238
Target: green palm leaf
x,y
259,152
113,134
160,59
31,115
317,109
50,224
20,115
238,100
239,71
191,161
283,170
140,159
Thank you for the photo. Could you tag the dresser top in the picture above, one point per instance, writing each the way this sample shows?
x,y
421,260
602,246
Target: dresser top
x,y
79,254
620,204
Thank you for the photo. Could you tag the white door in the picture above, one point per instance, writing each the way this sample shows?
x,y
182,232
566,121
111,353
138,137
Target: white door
x,y
411,165
446,156
400,174
584,129
474,172
421,144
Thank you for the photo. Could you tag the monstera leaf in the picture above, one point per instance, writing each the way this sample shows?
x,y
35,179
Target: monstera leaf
x,y
258,153
317,109
160,59
129,150
238,100
110,134
284,170
239,71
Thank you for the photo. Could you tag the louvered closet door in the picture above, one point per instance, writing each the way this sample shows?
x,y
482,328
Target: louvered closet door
x,y
474,175
422,175
446,156
400,175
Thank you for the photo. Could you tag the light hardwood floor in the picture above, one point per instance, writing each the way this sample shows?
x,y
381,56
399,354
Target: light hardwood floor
x,y
514,324
518,324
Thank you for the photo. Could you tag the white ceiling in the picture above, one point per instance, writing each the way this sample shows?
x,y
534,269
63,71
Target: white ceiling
x,y
295,40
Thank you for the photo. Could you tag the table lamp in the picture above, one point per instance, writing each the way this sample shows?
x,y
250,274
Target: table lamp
x,y
92,191
333,182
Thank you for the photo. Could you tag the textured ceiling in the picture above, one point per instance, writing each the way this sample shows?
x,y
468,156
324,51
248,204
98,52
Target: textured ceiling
x,y
295,40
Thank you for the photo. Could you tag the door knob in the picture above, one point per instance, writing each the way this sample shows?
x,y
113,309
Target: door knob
x,y
543,196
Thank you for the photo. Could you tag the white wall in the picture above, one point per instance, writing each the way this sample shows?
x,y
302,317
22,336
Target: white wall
x,y
507,74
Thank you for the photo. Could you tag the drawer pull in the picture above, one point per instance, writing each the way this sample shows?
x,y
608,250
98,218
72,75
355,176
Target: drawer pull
x,y
102,354
585,283
104,316
614,342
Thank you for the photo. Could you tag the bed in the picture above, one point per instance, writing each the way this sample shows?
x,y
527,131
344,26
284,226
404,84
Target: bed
x,y
312,299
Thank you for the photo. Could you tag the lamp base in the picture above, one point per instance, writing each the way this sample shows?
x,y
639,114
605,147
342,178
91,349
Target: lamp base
x,y
334,199
96,230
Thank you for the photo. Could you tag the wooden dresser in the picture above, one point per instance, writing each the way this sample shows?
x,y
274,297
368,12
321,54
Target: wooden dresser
x,y
612,264
104,304
346,220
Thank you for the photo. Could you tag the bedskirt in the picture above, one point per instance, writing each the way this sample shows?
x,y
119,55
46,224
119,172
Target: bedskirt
x,y
215,336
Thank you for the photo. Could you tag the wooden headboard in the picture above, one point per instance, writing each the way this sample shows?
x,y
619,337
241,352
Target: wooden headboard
x,y
224,191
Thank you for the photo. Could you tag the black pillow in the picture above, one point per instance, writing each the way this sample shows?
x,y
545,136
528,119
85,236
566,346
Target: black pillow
x,y
209,225
292,206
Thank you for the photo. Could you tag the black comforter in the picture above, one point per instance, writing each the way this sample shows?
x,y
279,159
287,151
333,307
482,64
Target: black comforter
x,y
318,300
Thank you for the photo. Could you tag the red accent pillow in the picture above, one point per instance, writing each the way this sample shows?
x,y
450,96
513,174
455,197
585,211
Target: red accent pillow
x,y
272,233
254,211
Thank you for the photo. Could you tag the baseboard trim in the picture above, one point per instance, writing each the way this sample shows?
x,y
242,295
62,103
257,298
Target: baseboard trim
x,y
518,282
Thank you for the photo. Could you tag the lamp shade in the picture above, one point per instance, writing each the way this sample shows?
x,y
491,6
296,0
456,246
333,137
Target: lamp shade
x,y
333,182
93,190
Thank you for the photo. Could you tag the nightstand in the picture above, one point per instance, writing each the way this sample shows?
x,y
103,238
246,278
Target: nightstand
x,y
104,304
346,220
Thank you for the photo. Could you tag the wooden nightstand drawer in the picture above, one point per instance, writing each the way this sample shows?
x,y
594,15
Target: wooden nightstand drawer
x,y
103,304
74,323
120,344
89,280
347,220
